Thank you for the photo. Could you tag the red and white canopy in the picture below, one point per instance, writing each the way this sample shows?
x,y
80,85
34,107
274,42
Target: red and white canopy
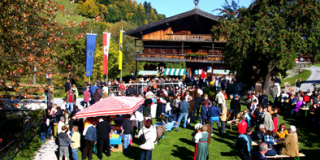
x,y
112,106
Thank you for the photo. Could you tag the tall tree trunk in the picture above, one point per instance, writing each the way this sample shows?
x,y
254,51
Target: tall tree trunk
x,y
267,80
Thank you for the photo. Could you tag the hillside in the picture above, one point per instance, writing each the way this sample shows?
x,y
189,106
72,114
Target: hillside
x,y
68,11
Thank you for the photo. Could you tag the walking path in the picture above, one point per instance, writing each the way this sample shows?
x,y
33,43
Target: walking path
x,y
47,151
314,77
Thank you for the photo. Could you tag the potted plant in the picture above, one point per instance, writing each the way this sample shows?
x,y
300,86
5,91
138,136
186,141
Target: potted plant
x,y
189,55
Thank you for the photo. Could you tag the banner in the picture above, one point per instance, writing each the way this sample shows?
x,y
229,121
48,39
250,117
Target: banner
x,y
91,43
106,44
120,48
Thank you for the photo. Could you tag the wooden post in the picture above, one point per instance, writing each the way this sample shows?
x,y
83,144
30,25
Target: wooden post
x,y
182,48
212,48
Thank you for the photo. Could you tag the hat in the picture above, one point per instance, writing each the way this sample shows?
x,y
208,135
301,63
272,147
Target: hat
x,y
293,128
61,118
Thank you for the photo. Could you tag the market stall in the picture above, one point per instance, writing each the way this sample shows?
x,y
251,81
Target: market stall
x,y
113,106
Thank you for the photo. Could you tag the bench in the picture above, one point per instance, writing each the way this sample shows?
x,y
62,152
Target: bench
x,y
285,156
256,143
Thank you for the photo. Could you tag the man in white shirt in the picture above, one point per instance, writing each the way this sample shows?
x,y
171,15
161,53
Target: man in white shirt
x,y
220,98
199,91
60,124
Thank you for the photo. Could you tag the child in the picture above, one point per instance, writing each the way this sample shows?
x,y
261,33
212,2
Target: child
x,y
75,142
64,140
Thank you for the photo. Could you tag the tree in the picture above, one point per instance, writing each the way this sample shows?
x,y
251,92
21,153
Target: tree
x,y
269,35
27,32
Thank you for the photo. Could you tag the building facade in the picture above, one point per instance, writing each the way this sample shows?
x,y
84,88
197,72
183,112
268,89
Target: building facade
x,y
185,38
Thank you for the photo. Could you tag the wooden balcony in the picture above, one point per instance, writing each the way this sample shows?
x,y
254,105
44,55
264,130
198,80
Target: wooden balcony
x,y
181,37
165,57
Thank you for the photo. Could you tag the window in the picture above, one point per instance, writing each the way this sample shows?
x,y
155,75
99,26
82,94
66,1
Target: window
x,y
151,50
163,50
175,51
203,51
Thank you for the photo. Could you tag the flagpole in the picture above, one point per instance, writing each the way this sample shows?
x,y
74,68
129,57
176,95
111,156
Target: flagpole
x,y
122,56
107,64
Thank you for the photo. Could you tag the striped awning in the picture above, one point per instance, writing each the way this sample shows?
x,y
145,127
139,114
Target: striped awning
x,y
174,72
112,106
148,73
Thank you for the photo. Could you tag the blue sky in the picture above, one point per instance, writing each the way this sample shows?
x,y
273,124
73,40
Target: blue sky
x,y
174,7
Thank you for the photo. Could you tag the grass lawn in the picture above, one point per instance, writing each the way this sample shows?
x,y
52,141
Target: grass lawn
x,y
69,8
304,75
179,145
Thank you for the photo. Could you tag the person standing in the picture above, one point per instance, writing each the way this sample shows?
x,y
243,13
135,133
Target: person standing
x,y
267,120
64,140
93,89
86,98
103,131
184,110
126,125
67,85
150,135
75,142
275,94
147,106
43,129
191,110
201,140
235,106
75,93
69,100
90,140
223,117
97,96
264,100
298,84
213,114
60,125
243,144
220,98
197,105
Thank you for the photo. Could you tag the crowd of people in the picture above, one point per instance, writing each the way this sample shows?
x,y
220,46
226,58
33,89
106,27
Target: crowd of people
x,y
179,102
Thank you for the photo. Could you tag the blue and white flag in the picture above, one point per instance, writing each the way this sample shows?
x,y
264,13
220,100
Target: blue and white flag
x,y
91,43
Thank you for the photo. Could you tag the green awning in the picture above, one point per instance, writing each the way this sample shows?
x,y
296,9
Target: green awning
x,y
221,71
174,72
148,73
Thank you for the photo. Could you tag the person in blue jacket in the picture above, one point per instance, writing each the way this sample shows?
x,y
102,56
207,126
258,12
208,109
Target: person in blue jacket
x,y
213,114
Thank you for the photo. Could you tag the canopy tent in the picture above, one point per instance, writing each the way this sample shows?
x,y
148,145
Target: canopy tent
x,y
174,72
148,73
112,106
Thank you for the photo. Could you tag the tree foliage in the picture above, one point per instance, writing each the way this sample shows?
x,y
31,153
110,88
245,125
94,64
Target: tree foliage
x,y
117,10
268,35
27,32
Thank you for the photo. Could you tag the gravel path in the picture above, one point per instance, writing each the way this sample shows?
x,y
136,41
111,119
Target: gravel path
x,y
47,151
314,77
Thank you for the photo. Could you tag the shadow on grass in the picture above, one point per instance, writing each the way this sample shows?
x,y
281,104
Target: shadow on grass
x,y
229,154
182,153
134,153
187,141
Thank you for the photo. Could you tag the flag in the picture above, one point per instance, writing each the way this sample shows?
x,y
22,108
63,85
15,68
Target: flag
x,y
106,44
120,48
91,43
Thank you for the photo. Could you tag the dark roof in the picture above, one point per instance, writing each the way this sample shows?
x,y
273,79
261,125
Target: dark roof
x,y
195,11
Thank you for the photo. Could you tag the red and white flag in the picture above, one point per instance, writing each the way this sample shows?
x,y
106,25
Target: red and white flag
x,y
106,44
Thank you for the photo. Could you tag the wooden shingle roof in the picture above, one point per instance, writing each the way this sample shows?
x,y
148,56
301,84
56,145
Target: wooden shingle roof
x,y
135,32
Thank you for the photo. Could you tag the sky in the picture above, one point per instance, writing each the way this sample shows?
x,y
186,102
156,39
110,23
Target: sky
x,y
174,7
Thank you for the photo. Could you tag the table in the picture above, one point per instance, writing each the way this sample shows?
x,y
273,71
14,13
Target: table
x,y
256,143
306,111
116,141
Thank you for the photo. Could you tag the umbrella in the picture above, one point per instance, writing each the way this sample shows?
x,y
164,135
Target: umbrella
x,y
112,106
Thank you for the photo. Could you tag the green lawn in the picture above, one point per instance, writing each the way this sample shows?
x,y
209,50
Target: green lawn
x,y
179,145
69,8
304,75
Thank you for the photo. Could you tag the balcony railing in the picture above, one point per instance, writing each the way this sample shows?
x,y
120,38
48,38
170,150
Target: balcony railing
x,y
160,57
183,37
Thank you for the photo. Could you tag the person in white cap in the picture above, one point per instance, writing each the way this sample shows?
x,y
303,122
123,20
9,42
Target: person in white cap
x,y
291,146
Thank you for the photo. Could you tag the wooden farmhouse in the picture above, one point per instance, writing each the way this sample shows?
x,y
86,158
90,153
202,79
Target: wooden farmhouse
x,y
186,38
